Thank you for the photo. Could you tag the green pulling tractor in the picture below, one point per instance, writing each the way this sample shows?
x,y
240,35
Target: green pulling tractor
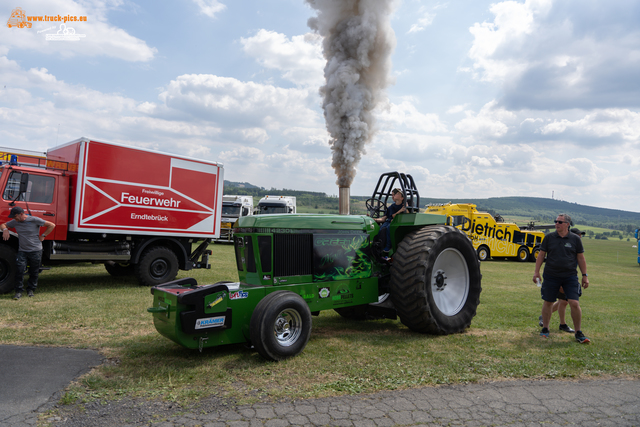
x,y
293,266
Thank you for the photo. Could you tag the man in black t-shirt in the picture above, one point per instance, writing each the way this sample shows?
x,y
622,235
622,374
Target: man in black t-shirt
x,y
564,252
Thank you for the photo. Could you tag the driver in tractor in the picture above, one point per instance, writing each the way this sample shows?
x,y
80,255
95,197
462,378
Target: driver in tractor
x,y
397,208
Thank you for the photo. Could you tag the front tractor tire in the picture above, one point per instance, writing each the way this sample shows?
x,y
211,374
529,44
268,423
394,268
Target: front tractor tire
x,y
8,268
435,280
157,265
280,325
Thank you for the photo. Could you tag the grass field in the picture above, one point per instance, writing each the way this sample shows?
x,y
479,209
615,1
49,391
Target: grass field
x,y
83,307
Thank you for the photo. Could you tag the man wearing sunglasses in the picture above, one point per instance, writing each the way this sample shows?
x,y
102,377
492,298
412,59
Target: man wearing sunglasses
x,y
564,252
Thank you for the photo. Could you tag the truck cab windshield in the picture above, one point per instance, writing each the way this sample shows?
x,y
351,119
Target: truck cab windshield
x,y
230,210
273,209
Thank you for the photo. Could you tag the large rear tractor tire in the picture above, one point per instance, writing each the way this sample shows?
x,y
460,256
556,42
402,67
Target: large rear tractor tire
x,y
435,280
157,265
8,269
118,269
280,325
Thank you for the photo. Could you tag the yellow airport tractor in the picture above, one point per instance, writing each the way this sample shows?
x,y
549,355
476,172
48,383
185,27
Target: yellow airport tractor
x,y
491,237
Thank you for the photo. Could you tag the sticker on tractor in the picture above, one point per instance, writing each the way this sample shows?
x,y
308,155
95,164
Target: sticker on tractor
x,y
239,295
265,277
210,322
324,292
216,301
343,294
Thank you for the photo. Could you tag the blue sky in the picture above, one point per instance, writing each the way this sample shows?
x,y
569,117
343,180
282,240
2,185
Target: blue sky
x,y
490,99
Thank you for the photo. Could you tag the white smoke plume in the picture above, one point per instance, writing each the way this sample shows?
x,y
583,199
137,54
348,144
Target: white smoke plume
x,y
358,42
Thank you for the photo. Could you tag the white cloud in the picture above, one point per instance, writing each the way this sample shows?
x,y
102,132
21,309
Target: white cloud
x,y
299,58
228,101
406,115
555,55
210,7
623,124
488,123
426,19
101,37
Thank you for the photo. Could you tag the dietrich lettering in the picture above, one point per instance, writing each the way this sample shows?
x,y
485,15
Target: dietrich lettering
x,y
485,230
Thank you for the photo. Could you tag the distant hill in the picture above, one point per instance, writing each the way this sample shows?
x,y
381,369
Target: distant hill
x,y
232,184
538,209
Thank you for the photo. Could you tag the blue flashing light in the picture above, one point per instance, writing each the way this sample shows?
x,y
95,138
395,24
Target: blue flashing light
x,y
14,160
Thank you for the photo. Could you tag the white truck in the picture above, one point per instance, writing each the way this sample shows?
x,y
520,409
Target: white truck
x,y
276,205
233,207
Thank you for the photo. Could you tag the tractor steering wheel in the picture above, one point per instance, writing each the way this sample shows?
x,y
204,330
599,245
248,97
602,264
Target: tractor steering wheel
x,y
375,208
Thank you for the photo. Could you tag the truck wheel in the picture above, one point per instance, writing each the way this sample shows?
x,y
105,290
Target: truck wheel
x,y
534,254
119,269
157,265
280,325
435,280
8,269
523,254
483,253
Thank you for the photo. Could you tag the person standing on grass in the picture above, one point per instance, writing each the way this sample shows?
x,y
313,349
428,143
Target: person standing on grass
x,y
564,252
29,246
561,305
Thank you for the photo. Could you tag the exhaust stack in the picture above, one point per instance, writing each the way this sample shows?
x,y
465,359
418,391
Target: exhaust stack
x,y
344,195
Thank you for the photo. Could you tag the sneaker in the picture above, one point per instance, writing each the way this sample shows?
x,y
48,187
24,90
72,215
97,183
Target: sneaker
x,y
544,333
566,328
386,259
540,321
29,293
18,295
581,338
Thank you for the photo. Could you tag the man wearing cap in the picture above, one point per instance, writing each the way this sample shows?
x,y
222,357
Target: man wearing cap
x,y
564,252
397,208
561,305
29,246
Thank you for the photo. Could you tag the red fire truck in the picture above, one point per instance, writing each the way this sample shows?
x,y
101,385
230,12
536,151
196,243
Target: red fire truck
x,y
138,211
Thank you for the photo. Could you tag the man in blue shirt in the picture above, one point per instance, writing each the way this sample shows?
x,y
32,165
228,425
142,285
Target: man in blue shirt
x,y
29,246
564,252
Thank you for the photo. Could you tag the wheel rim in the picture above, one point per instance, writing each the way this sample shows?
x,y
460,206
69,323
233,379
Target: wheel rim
x,y
288,327
482,254
450,282
524,254
159,268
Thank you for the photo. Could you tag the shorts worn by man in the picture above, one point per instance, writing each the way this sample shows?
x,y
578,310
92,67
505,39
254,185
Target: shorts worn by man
x,y
564,252
29,247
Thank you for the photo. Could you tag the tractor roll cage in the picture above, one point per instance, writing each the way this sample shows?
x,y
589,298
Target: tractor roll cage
x,y
405,183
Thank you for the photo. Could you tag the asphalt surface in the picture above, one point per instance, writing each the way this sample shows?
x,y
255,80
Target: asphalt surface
x,y
33,378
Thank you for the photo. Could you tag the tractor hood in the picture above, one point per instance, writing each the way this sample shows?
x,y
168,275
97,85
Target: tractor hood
x,y
306,222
